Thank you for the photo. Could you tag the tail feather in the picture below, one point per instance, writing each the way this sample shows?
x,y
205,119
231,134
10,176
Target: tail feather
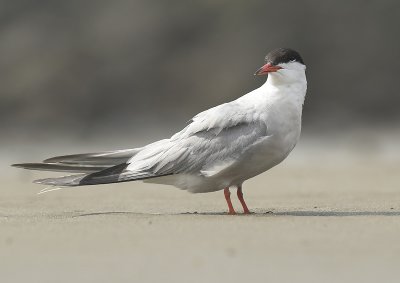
x,y
61,167
65,181
98,168
114,174
98,158
108,175
82,163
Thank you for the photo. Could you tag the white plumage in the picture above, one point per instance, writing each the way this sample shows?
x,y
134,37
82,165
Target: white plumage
x,y
220,147
230,143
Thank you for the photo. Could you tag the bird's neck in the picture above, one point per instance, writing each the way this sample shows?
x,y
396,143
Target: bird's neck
x,y
290,83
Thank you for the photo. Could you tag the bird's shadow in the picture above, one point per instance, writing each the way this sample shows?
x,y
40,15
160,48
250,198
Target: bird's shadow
x,y
302,213
337,213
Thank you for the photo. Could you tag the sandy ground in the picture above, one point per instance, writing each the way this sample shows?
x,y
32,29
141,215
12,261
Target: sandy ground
x,y
316,218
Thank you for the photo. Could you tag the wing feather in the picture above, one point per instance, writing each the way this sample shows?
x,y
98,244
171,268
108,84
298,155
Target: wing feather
x,y
98,158
214,140
209,144
82,163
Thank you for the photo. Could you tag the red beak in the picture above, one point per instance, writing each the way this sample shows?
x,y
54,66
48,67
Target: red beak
x,y
267,68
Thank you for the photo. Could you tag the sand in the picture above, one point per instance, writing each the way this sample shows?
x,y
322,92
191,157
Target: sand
x,y
315,220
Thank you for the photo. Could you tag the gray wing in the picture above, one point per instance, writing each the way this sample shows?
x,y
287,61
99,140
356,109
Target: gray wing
x,y
82,163
205,152
213,141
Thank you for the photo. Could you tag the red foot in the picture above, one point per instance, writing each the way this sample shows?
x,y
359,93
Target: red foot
x,y
241,199
227,194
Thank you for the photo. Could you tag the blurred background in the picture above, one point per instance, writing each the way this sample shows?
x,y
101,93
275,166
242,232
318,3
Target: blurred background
x,y
84,76
123,73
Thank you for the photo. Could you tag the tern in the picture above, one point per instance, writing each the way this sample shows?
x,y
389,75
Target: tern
x,y
219,149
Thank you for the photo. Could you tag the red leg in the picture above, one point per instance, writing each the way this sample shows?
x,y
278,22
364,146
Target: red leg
x,y
227,194
241,199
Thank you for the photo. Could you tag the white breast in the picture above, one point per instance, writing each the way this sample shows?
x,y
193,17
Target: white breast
x,y
275,107
281,103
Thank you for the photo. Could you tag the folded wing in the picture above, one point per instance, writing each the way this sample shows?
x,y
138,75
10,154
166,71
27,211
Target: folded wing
x,y
212,142
82,163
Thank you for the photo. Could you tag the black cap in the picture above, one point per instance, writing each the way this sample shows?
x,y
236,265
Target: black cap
x,y
283,55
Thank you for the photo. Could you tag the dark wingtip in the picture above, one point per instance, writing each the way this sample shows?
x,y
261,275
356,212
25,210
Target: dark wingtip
x,y
18,165
70,157
29,166
55,159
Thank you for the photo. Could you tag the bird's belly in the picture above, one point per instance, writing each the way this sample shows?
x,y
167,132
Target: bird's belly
x,y
260,158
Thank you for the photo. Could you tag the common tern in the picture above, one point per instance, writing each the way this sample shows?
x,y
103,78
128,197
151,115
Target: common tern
x,y
220,148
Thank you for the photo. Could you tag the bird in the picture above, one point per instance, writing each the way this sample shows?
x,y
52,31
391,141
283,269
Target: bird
x,y
219,149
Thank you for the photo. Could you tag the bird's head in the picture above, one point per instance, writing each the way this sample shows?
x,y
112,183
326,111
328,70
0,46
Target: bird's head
x,y
282,63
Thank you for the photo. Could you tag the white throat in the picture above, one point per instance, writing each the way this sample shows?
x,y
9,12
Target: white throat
x,y
290,81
